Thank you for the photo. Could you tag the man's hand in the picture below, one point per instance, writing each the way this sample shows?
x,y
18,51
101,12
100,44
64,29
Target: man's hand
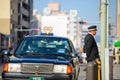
x,y
81,49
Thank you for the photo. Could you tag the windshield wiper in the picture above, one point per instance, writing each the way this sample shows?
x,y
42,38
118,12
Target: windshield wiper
x,y
41,54
29,54
58,54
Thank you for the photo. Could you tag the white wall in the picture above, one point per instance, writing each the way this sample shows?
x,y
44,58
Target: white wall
x,y
57,22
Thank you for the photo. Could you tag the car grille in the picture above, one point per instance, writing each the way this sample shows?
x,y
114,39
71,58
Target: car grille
x,y
37,68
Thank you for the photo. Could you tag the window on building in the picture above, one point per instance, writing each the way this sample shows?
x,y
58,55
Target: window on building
x,y
19,19
18,7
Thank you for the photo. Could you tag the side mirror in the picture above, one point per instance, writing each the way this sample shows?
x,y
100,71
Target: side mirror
x,y
5,54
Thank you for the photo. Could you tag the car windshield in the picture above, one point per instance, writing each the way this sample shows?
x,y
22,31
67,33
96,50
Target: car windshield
x,y
43,45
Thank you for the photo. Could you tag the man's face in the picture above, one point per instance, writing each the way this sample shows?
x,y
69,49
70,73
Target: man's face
x,y
94,32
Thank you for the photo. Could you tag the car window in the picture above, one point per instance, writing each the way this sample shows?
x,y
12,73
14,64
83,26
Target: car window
x,y
44,45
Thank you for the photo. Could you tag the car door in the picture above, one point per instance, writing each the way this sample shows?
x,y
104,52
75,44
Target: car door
x,y
75,60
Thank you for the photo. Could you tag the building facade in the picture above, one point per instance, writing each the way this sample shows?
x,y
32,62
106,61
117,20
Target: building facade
x,y
15,15
118,19
36,22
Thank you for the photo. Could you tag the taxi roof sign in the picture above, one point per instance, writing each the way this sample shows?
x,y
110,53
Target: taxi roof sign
x,y
47,29
50,34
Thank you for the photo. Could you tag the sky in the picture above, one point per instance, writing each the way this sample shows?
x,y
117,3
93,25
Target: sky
x,y
85,7
88,10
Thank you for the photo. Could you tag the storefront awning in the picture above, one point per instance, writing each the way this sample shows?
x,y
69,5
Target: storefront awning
x,y
117,44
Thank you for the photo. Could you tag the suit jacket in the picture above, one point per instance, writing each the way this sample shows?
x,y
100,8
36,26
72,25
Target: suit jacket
x,y
90,48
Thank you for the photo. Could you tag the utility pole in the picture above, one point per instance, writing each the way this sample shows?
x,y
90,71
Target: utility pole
x,y
104,51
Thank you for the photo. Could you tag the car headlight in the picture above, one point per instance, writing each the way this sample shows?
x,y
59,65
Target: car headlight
x,y
12,67
67,69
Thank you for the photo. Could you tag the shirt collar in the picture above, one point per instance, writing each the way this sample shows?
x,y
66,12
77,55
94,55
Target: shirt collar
x,y
90,33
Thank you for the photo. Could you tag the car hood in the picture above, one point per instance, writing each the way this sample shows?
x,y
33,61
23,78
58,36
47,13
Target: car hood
x,y
50,59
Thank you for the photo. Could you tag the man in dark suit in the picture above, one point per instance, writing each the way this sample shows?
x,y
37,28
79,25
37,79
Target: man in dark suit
x,y
90,46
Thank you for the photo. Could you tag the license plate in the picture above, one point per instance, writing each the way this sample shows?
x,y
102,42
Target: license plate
x,y
36,78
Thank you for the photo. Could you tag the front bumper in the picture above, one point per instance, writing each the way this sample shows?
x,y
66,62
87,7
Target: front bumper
x,y
50,76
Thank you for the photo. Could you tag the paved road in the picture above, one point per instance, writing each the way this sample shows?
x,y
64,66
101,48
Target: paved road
x,y
82,74
0,71
116,72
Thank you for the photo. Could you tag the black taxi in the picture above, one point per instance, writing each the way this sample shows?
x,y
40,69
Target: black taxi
x,y
42,57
